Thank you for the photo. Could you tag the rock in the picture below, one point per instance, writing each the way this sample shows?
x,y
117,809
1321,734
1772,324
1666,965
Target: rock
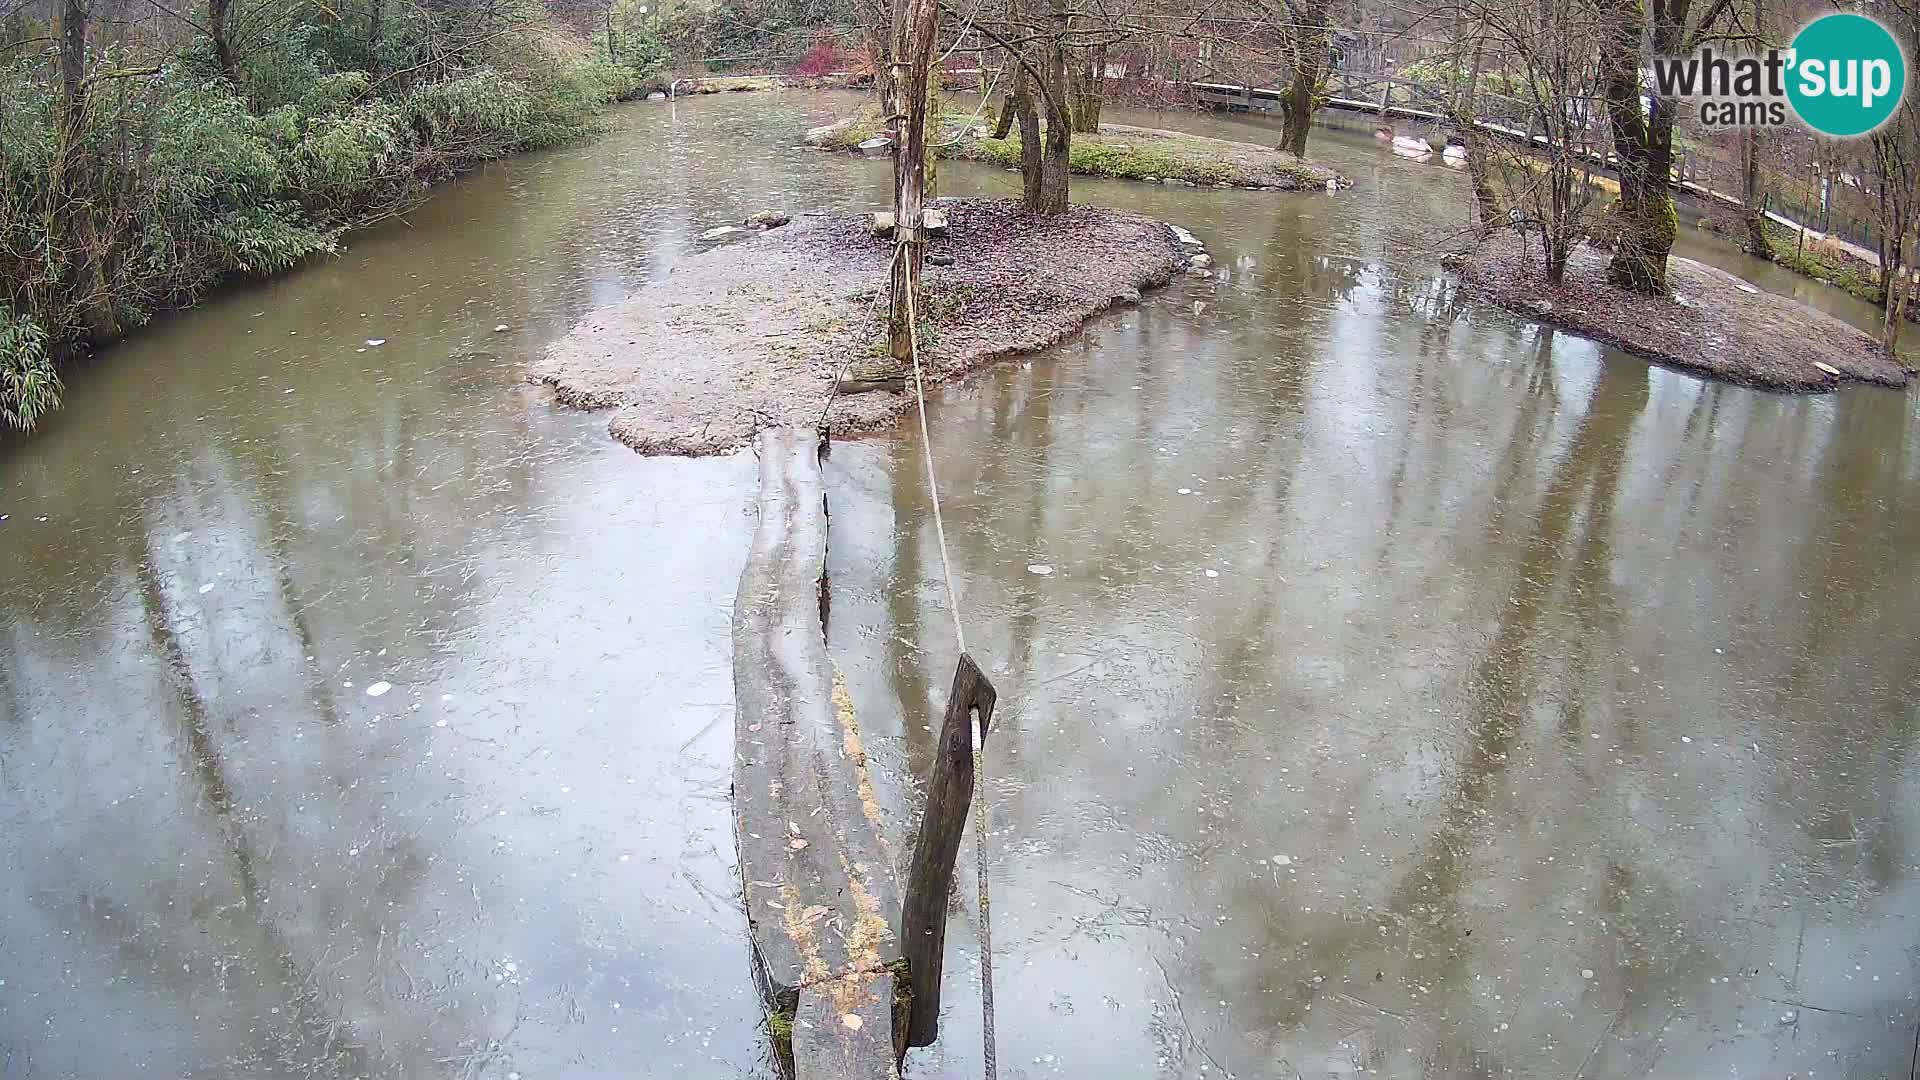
x,y
1828,368
982,132
878,146
1186,238
1174,181
881,223
939,259
502,328
1151,179
1202,261
934,222
657,96
768,219
826,133
1333,184
723,232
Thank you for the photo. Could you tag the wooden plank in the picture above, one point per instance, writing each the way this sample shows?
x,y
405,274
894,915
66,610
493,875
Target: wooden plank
x,y
930,880
816,873
843,1030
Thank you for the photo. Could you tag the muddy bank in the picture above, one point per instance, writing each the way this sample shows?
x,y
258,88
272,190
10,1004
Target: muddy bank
x,y
754,334
1119,151
1714,324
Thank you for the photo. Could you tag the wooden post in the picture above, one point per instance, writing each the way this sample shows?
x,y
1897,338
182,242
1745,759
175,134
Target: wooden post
x,y
923,922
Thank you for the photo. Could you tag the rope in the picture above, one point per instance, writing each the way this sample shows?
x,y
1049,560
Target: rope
x,y
833,392
990,1056
933,484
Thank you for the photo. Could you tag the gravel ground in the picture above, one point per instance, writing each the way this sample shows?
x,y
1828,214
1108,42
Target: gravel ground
x,y
1714,324
754,334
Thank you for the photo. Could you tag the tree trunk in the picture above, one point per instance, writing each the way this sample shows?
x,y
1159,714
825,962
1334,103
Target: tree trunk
x,y
1648,224
377,33
73,60
1466,117
914,32
1309,60
1893,274
1051,197
1031,152
1003,124
1089,89
217,29
879,45
1753,200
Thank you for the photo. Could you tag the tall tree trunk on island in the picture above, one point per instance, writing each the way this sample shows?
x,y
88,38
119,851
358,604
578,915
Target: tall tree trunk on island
x,y
1056,153
1031,150
914,29
1486,201
1644,147
1309,60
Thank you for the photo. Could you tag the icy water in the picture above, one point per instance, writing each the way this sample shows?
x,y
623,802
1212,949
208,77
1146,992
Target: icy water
x,y
1413,692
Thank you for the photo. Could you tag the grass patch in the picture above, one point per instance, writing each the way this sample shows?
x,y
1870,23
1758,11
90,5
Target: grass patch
x,y
1121,160
1857,282
1124,152
847,134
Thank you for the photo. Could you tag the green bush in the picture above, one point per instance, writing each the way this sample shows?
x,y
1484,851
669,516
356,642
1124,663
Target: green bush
x,y
29,385
179,178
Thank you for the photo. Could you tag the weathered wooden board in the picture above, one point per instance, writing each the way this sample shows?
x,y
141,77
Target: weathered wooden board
x,y
818,879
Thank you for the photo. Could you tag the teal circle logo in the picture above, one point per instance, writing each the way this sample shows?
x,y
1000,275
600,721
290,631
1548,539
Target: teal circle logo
x,y
1848,75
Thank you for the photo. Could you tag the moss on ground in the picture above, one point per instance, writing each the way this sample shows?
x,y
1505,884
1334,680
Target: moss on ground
x,y
847,134
1109,159
1129,153
780,1030
1825,263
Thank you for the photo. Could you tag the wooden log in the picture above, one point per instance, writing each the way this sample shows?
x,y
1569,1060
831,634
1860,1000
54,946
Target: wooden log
x,y
816,872
930,879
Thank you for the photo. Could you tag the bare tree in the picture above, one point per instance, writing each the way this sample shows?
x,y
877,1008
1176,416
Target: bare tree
x,y
1545,54
1895,159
